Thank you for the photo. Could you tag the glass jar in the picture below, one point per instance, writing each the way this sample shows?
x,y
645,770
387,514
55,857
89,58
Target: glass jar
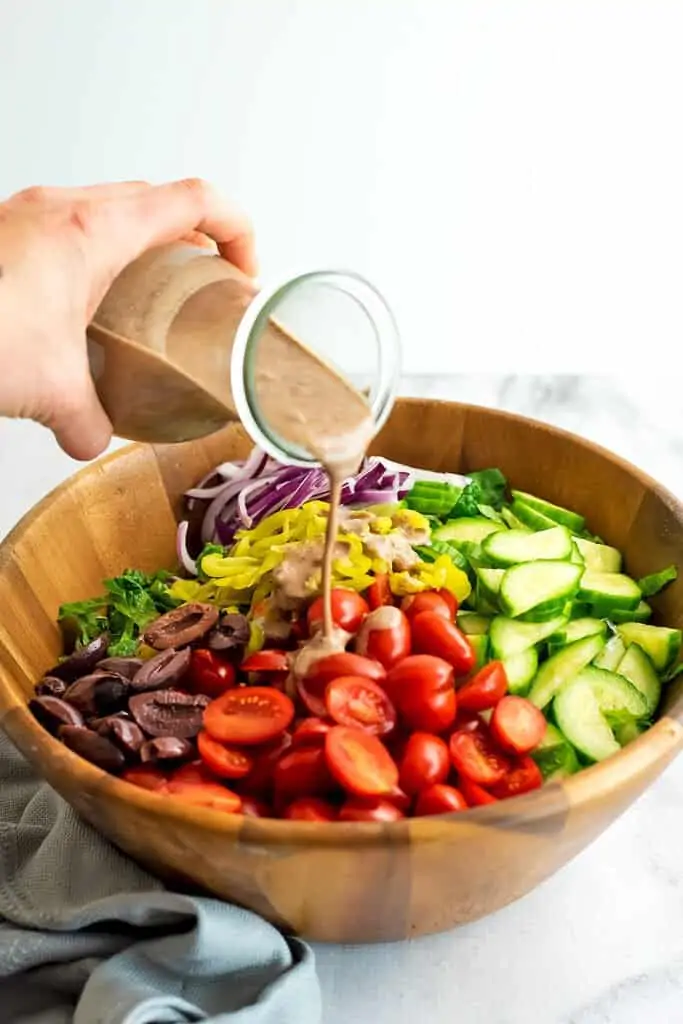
x,y
183,341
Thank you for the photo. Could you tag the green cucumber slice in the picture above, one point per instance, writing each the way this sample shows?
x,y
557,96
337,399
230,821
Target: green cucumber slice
x,y
627,732
578,628
576,556
520,670
660,643
473,624
512,521
640,672
510,637
583,709
538,585
468,530
611,654
531,517
563,516
609,590
599,557
562,667
640,614
490,581
515,546
555,755
479,643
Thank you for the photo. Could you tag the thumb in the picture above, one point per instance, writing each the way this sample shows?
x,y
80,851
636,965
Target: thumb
x,y
79,423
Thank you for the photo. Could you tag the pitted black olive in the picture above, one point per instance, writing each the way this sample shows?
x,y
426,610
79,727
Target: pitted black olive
x,y
51,686
169,712
94,748
165,669
167,748
81,662
123,733
231,633
122,666
101,693
52,712
182,626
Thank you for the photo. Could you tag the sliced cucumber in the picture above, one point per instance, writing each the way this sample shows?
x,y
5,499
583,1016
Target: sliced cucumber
x,y
512,521
629,731
578,628
609,590
482,604
576,556
479,643
520,669
510,637
661,644
555,755
537,585
560,515
473,624
639,670
489,581
584,705
515,546
562,667
611,654
530,517
599,557
640,614
471,530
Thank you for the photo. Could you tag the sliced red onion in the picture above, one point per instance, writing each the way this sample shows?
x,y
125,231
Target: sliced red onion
x,y
188,563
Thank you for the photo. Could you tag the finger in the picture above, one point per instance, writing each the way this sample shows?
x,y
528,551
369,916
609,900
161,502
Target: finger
x,y
81,426
48,195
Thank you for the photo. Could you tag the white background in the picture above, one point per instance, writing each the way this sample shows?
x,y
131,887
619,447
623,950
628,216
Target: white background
x,y
509,172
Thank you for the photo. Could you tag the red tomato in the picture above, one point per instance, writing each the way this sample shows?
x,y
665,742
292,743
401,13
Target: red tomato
x,y
205,794
266,661
517,724
431,712
425,762
195,771
475,795
324,670
260,778
302,772
468,720
147,777
439,799
432,634
310,808
209,674
484,689
524,776
421,687
474,755
248,715
426,601
225,762
385,636
310,732
379,592
348,610
354,701
450,599
252,807
360,762
377,809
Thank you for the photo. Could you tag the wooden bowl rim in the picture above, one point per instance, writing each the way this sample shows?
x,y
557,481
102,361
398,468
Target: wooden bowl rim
x,y
660,743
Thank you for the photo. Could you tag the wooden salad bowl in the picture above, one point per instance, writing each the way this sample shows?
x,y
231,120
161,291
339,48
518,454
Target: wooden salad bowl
x,y
347,882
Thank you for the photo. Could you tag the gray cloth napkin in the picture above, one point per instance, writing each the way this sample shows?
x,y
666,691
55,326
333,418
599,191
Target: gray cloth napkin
x,y
87,937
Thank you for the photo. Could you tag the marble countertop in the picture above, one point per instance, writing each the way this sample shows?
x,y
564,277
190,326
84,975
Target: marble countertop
x,y
601,942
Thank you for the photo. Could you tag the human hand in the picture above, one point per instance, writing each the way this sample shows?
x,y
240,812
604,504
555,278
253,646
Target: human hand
x,y
60,250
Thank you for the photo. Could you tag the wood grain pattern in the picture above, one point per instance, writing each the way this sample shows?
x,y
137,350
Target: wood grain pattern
x,y
341,882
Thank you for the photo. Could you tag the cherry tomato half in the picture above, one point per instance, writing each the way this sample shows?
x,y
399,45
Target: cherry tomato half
x,y
348,610
146,776
302,772
432,634
205,794
252,807
225,762
354,701
377,809
517,724
421,687
474,755
384,636
484,689
310,808
425,601
259,781
524,776
209,674
195,771
439,799
360,762
425,762
248,715
476,796
324,670
268,660
310,732
379,592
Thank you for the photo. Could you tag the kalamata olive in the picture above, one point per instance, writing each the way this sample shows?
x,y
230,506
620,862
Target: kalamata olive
x,y
101,693
51,686
182,626
123,733
169,712
122,666
167,748
165,669
94,748
231,632
81,662
52,712
95,723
